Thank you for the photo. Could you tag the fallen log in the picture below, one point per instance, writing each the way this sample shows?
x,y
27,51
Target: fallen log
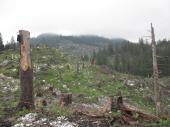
x,y
141,114
129,109
116,103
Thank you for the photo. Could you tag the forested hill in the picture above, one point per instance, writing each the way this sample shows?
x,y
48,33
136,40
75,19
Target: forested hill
x,y
135,58
56,40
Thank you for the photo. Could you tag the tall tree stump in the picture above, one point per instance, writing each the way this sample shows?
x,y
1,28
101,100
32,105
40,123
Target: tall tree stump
x,y
65,99
26,70
93,61
155,74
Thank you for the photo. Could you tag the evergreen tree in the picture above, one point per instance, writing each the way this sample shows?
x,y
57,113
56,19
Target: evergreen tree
x,y
135,58
1,43
110,49
12,43
8,46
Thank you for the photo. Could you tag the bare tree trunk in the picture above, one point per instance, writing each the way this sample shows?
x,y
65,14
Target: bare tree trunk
x,y
155,74
26,71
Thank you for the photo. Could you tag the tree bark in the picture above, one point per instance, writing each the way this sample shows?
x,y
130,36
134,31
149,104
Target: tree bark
x,y
26,71
155,74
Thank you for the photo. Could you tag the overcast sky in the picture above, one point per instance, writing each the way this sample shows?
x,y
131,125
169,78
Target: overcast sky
x,y
128,19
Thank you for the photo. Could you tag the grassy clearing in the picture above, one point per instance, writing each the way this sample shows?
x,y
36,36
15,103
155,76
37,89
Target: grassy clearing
x,y
53,68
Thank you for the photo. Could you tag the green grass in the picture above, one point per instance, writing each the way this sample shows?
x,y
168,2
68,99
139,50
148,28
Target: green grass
x,y
23,112
59,70
56,110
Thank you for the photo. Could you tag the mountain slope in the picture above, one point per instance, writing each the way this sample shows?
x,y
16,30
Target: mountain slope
x,y
85,44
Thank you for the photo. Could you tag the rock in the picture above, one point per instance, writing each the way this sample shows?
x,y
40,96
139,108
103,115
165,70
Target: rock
x,y
19,125
5,123
5,63
64,86
33,120
14,70
129,83
30,117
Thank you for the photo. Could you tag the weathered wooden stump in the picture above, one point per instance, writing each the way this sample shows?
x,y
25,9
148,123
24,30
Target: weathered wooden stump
x,y
65,99
113,103
109,104
44,102
93,61
51,89
26,70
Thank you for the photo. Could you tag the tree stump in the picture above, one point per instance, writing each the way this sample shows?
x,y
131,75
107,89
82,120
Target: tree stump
x,y
51,89
65,99
109,104
113,103
44,102
93,61
26,70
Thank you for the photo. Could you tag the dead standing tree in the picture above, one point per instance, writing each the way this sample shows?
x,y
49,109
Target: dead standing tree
x,y
26,70
155,73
